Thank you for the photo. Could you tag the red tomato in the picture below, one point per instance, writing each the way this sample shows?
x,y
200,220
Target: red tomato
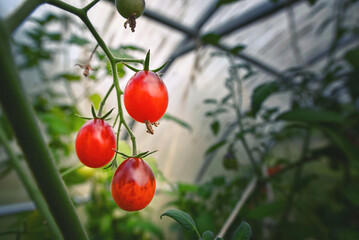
x,y
273,170
95,143
146,97
133,185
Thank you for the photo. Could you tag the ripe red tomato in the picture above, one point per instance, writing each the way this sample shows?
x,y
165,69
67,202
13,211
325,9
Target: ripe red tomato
x,y
146,97
133,184
95,143
273,170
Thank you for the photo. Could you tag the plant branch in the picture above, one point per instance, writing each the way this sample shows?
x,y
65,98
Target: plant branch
x,y
23,121
21,13
90,5
102,103
237,101
30,187
246,194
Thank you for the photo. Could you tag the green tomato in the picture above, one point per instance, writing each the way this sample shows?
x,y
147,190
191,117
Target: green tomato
x,y
127,7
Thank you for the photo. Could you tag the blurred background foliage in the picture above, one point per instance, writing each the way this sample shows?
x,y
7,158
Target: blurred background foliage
x,y
311,193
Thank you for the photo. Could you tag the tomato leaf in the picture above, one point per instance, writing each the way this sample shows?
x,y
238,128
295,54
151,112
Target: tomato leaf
x,y
68,77
338,139
215,126
182,218
211,38
216,146
352,57
260,94
244,232
310,116
237,49
208,235
74,39
177,120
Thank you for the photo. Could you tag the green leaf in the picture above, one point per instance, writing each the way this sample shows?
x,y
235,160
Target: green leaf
x,y
95,99
208,235
74,39
177,120
244,232
210,101
352,194
182,218
215,126
260,94
68,77
237,49
266,209
211,38
223,2
352,57
216,146
310,116
338,139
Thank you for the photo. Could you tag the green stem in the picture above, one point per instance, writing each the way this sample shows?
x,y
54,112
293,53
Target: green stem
x,y
118,60
23,121
83,16
102,103
30,186
21,13
71,169
237,101
90,5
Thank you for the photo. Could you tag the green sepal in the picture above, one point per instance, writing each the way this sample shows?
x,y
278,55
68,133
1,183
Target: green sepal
x,y
93,112
147,61
160,68
107,114
130,67
86,118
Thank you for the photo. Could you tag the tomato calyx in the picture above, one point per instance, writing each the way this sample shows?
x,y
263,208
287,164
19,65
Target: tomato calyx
x,y
140,155
95,115
146,65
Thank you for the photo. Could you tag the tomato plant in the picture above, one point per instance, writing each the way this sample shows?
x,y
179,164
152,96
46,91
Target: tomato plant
x,y
146,97
133,184
95,143
129,7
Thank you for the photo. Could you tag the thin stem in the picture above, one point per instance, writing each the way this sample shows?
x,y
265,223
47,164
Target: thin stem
x,y
102,103
72,169
237,100
30,186
90,5
118,60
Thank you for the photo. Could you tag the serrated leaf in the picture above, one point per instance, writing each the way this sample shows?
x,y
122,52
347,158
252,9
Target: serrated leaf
x,y
95,99
211,38
184,219
260,94
215,126
74,39
178,121
311,116
208,235
244,232
237,49
216,146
